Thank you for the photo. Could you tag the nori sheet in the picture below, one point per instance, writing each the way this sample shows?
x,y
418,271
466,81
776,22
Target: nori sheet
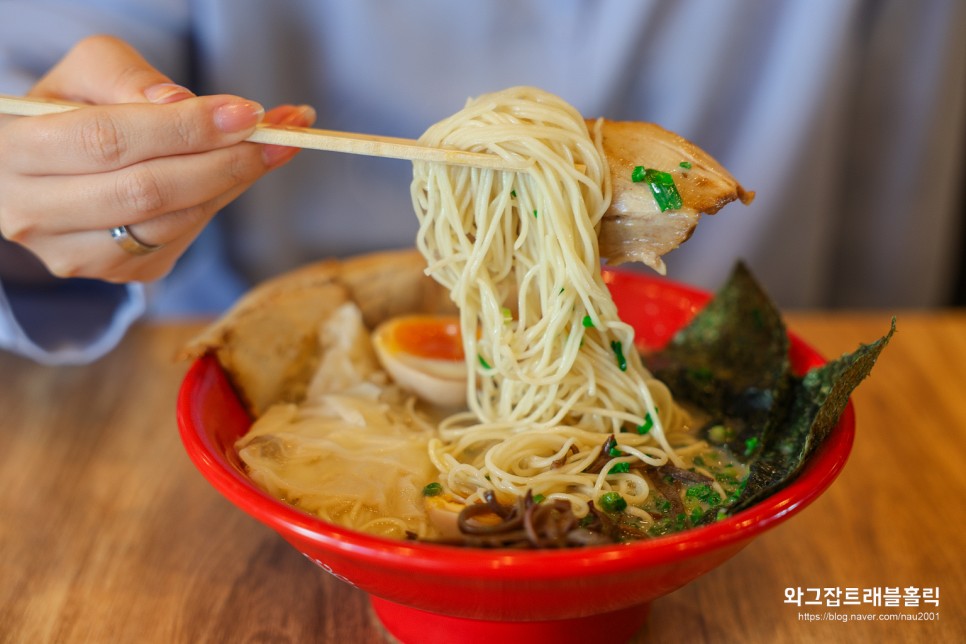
x,y
731,361
818,400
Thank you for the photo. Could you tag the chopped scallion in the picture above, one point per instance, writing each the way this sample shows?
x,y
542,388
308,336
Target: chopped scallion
x,y
620,468
648,424
433,489
704,493
618,350
750,445
662,187
612,502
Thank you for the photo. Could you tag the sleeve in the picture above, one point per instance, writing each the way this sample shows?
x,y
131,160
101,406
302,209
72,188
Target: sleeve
x,y
69,322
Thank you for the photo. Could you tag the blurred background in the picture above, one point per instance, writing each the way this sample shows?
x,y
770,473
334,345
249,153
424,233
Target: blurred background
x,y
847,117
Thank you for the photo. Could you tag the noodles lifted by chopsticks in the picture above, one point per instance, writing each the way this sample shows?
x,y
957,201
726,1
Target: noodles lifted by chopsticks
x,y
552,369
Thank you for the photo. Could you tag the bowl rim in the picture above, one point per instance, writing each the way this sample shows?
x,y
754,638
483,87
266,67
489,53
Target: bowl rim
x,y
293,524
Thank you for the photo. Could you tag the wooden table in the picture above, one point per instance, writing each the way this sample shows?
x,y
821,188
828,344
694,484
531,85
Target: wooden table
x,y
108,534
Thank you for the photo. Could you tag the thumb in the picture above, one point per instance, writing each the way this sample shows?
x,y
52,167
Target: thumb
x,y
107,70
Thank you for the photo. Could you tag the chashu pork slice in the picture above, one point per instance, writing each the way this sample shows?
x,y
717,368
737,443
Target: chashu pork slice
x,y
634,229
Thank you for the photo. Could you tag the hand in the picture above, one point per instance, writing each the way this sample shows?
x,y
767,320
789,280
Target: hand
x,y
148,154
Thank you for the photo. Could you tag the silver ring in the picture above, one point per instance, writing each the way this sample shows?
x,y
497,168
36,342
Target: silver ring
x,y
132,244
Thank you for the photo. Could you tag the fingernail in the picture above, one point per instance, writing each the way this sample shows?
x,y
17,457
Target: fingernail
x,y
304,116
237,116
167,93
273,155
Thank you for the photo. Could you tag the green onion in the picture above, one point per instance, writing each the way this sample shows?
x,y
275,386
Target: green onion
x,y
647,426
704,493
507,314
662,187
588,323
620,468
685,164
433,489
535,213
612,502
538,498
738,491
483,362
615,451
750,445
513,193
618,350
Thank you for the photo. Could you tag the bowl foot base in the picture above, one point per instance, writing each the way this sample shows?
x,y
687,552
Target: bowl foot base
x,y
414,626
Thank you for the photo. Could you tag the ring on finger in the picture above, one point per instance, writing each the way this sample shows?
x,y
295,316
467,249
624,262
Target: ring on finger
x,y
131,244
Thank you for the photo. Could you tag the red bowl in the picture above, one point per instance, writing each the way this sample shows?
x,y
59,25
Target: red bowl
x,y
431,593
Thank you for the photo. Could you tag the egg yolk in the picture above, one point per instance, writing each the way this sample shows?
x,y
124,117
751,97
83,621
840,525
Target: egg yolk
x,y
436,338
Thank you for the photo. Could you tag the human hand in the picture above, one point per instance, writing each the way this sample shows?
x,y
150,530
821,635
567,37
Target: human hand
x,y
148,154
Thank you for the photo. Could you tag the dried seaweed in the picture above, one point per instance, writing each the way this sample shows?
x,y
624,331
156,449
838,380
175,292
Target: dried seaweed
x,y
818,400
731,362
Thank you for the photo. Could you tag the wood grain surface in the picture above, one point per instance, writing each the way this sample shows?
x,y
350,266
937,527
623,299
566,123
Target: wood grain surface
x,y
108,534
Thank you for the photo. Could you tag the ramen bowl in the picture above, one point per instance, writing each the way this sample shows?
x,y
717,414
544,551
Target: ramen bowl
x,y
433,593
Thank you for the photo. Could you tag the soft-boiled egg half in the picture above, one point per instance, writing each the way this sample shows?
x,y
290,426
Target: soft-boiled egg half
x,y
424,354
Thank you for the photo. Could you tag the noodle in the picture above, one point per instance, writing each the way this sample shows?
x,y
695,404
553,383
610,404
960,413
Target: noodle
x,y
562,372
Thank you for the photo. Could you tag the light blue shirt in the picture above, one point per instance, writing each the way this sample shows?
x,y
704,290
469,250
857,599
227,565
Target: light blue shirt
x,y
846,117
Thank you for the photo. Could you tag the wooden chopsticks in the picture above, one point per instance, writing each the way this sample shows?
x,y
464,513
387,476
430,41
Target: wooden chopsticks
x,y
310,138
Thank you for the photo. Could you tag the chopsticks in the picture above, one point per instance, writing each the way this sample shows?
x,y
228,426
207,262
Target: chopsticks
x,y
310,138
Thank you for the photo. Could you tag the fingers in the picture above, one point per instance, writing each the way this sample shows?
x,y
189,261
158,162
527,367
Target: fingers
x,y
147,154
94,254
65,220
104,138
142,191
104,69
132,194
